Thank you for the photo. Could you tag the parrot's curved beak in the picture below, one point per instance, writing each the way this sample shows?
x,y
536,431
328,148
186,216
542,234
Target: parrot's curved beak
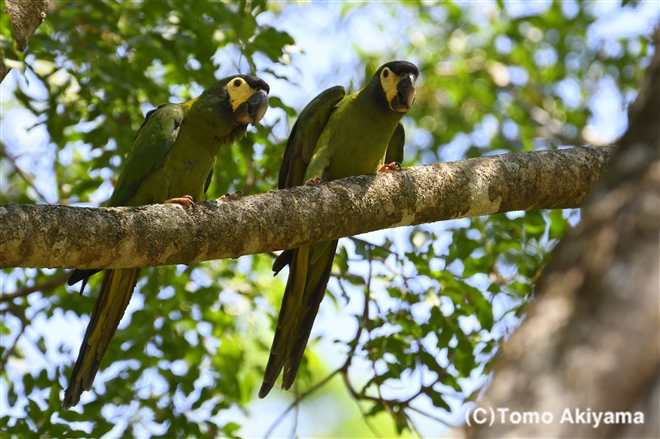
x,y
406,94
253,109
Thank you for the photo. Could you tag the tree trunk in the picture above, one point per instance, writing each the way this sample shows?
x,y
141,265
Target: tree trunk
x,y
585,363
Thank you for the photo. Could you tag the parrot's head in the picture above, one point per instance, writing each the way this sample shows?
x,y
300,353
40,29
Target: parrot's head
x,y
244,96
248,96
397,81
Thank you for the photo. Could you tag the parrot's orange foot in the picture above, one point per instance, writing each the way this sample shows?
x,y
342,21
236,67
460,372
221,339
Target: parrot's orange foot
x,y
394,166
232,196
186,200
313,181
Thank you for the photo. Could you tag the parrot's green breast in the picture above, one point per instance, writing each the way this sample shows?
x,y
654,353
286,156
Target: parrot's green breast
x,y
361,144
356,138
184,170
184,140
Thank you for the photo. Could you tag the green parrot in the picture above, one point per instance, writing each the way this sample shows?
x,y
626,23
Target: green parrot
x,y
335,136
171,161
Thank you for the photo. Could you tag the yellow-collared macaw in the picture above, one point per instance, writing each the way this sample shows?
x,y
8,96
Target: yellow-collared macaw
x,y
335,136
171,160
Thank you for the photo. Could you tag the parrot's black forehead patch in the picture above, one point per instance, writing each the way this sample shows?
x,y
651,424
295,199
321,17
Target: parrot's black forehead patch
x,y
401,67
255,82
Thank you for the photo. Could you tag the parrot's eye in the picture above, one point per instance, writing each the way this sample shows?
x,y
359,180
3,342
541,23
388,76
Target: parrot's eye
x,y
237,82
386,73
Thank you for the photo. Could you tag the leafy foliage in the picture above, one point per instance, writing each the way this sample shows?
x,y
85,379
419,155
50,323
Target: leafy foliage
x,y
430,305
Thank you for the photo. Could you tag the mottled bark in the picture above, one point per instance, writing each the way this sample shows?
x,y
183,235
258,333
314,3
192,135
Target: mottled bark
x,y
59,236
591,341
26,16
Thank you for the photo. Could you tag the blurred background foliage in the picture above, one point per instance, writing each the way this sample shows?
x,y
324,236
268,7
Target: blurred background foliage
x,y
415,316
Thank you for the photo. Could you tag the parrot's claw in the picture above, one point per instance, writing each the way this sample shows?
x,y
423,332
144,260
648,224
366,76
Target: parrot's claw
x,y
231,196
313,181
186,200
394,166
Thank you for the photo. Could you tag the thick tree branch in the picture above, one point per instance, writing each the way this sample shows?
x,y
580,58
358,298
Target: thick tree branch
x,y
43,236
26,16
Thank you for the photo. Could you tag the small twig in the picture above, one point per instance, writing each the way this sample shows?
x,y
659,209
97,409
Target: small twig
x,y
364,319
300,397
18,313
413,427
52,282
348,276
19,170
294,427
373,362
367,243
449,424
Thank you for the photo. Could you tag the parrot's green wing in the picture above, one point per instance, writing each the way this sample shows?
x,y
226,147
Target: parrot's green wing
x,y
154,138
208,181
300,147
152,141
304,135
395,147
